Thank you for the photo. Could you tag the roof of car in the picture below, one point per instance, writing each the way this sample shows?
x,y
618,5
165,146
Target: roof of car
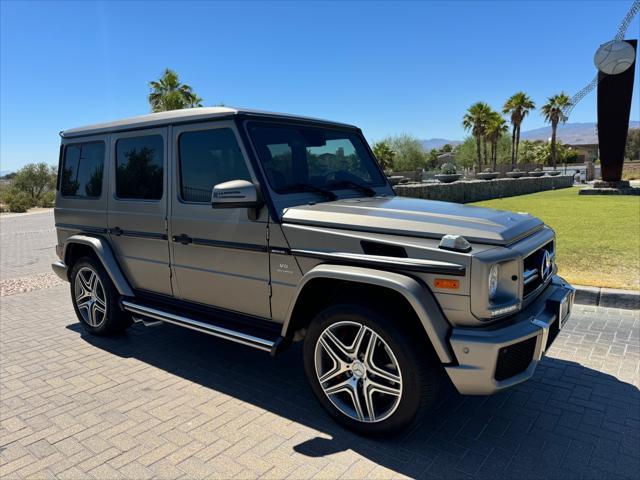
x,y
180,116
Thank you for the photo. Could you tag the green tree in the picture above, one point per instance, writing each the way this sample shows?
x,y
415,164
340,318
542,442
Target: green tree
x,y
384,154
475,120
540,152
432,159
496,128
446,148
632,150
168,93
517,107
409,154
553,113
34,180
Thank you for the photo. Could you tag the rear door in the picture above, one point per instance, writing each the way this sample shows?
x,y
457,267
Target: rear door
x,y
220,257
137,216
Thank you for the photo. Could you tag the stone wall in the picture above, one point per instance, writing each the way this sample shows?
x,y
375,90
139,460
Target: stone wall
x,y
466,191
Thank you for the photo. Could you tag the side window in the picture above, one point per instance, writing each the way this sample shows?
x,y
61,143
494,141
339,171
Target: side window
x,y
139,167
208,157
82,167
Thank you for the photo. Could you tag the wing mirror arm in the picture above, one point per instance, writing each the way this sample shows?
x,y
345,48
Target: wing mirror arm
x,y
238,194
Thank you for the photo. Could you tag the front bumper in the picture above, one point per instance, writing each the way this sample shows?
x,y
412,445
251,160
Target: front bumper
x,y
496,357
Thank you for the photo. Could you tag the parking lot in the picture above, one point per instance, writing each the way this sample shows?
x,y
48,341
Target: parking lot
x,y
166,402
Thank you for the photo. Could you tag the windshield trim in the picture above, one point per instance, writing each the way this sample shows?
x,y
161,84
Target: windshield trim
x,y
277,122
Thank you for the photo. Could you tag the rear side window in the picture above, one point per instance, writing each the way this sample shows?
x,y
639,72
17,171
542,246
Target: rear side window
x,y
209,157
139,167
82,167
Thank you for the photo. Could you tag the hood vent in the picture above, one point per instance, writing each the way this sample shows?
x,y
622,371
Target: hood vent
x,y
383,249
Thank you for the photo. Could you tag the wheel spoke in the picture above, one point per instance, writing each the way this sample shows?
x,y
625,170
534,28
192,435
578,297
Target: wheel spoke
x,y
86,304
101,303
93,281
86,283
94,313
356,402
337,347
357,342
83,294
91,319
333,373
368,398
344,386
372,367
374,386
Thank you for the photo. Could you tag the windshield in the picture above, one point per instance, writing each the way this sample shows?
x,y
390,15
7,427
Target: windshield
x,y
298,158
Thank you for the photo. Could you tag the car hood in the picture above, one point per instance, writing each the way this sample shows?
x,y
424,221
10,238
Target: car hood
x,y
416,217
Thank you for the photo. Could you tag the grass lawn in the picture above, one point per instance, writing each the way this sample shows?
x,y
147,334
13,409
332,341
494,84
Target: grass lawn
x,y
598,237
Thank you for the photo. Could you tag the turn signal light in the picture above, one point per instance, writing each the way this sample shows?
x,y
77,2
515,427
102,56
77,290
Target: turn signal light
x,y
446,283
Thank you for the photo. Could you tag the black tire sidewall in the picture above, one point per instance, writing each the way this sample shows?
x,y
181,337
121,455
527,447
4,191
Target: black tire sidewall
x,y
410,401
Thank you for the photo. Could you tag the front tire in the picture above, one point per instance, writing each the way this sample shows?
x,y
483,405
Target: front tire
x,y
95,299
373,373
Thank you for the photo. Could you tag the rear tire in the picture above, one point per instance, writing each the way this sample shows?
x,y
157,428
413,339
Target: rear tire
x,y
95,299
386,364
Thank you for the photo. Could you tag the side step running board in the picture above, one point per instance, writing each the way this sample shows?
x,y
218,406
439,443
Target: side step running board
x,y
216,331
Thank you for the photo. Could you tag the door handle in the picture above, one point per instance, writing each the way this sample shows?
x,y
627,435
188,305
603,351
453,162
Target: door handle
x,y
183,238
117,231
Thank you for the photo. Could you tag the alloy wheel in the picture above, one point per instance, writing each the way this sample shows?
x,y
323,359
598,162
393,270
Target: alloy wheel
x,y
90,297
358,371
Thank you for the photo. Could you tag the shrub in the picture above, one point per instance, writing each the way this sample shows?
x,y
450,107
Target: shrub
x,y
47,199
35,180
17,201
408,152
448,169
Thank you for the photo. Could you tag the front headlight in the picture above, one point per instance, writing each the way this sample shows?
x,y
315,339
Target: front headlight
x,y
494,273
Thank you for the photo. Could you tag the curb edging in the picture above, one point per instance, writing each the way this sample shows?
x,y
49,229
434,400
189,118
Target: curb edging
x,y
607,297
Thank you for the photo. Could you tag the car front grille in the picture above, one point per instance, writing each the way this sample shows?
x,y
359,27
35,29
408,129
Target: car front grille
x,y
514,359
534,272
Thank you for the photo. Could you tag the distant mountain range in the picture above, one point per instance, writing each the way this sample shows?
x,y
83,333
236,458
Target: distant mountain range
x,y
570,133
438,143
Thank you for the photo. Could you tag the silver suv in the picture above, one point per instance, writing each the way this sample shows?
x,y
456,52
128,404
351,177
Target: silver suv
x,y
263,229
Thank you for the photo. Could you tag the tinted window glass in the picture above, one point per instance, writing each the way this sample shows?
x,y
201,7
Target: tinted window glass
x,y
324,158
139,165
81,174
209,157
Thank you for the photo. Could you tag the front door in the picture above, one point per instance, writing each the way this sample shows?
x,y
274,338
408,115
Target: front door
x,y
137,214
219,257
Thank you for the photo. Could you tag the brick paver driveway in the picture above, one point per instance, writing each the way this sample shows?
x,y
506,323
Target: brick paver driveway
x,y
165,402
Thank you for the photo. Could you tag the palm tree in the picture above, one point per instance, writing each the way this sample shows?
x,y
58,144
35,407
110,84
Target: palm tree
x,y
496,128
553,113
384,154
476,120
517,106
169,94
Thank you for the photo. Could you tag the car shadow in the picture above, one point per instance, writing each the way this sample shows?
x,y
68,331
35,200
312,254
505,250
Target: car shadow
x,y
568,421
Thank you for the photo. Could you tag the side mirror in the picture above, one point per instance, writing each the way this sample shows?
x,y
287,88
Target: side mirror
x,y
236,194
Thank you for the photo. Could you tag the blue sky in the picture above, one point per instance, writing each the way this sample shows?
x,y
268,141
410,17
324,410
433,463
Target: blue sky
x,y
387,67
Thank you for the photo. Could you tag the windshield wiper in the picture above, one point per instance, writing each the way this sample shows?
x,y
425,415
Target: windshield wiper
x,y
307,187
355,185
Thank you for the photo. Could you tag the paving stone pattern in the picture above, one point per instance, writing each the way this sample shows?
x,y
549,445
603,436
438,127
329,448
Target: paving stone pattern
x,y
165,402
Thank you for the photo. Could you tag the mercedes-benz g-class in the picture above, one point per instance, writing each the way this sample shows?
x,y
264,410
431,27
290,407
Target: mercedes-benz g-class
x,y
264,228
